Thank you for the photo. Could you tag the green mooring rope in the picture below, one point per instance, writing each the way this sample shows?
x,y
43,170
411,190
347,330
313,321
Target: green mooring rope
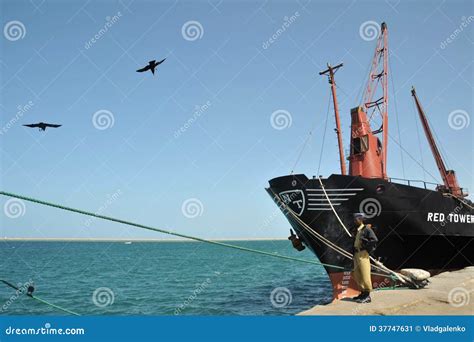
x,y
83,212
112,219
39,299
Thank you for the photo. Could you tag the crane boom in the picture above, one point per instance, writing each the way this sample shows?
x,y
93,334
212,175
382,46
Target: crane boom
x,y
448,176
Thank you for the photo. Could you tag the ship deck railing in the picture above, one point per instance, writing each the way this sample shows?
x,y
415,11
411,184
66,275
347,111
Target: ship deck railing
x,y
415,182
424,184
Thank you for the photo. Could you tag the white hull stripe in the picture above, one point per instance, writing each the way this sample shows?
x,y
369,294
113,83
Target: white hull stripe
x,y
325,200
334,195
325,204
328,190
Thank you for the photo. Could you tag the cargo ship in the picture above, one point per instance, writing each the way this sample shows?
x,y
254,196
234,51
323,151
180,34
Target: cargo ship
x,y
419,224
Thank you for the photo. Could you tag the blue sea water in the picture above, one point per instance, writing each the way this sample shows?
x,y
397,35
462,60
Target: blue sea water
x,y
159,278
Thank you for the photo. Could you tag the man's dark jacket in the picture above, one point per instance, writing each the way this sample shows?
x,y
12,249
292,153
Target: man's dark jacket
x,y
368,239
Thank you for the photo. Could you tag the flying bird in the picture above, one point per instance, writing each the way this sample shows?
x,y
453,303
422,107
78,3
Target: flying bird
x,y
42,126
151,66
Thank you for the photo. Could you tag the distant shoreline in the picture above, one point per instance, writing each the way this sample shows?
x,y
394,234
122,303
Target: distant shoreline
x,y
131,240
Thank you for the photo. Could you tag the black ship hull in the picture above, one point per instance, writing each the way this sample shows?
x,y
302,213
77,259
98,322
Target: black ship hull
x,y
416,227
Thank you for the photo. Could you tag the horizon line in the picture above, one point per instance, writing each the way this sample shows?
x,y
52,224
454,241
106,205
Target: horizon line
x,y
5,239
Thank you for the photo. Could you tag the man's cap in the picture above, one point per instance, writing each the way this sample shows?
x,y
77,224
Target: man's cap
x,y
359,215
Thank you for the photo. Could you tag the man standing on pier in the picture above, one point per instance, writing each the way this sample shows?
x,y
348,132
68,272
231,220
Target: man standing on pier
x,y
364,244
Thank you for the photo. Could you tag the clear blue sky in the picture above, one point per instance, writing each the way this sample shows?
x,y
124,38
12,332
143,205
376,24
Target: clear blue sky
x,y
229,152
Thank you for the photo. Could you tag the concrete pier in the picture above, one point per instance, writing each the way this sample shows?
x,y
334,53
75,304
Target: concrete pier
x,y
449,293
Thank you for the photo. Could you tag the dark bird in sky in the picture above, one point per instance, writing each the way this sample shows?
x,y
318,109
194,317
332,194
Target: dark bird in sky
x,y
42,126
151,66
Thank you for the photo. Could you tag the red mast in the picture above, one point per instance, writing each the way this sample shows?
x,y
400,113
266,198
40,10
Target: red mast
x,y
368,155
448,176
331,71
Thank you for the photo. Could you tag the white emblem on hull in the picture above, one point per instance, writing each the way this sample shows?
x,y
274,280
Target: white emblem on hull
x,y
294,199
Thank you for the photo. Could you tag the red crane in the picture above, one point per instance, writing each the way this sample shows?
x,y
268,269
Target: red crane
x,y
368,154
448,176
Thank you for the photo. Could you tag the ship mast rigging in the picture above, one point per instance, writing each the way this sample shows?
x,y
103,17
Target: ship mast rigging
x,y
330,71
